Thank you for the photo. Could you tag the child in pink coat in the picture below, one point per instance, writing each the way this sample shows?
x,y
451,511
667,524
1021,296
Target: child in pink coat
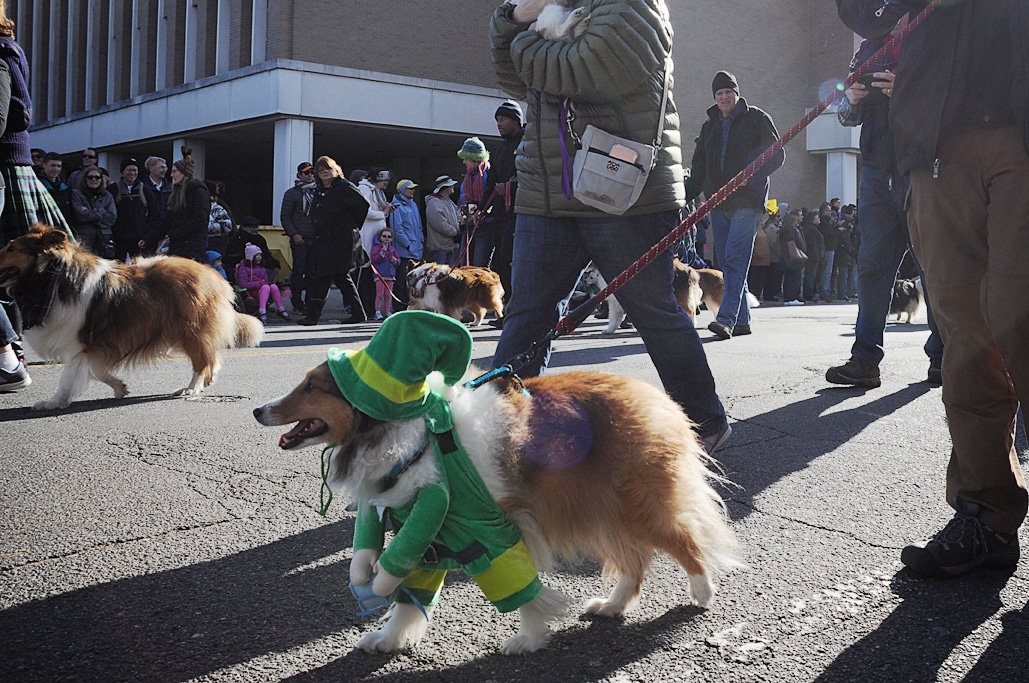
x,y
385,260
252,276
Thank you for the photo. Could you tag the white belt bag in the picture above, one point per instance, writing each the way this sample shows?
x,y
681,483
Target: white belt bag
x,y
609,172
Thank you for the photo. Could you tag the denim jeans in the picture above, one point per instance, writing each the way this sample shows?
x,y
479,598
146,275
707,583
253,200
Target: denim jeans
x,y
734,246
824,284
549,253
884,241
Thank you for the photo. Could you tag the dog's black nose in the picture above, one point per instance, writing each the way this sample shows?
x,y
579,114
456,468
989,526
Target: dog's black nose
x,y
257,413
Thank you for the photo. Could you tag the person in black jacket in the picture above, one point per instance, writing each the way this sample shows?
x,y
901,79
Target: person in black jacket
x,y
337,212
733,135
134,203
189,210
960,118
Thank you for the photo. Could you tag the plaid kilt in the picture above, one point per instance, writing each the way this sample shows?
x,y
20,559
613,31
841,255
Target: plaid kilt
x,y
26,203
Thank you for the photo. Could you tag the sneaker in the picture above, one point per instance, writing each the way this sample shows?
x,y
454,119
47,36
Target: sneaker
x,y
721,330
14,380
935,375
795,302
856,373
378,315
964,545
712,442
741,330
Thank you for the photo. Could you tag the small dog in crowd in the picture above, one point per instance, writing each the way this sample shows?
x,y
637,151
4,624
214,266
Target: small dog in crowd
x,y
584,464
453,291
907,298
98,316
557,21
693,286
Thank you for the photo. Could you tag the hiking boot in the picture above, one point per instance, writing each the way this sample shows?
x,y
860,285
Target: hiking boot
x,y
741,330
964,545
935,375
14,380
856,373
721,330
712,442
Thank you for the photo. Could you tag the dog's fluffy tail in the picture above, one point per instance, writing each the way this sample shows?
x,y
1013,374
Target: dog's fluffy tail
x,y
249,331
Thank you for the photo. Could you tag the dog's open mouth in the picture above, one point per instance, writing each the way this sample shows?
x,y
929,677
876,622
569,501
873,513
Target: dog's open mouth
x,y
9,275
305,429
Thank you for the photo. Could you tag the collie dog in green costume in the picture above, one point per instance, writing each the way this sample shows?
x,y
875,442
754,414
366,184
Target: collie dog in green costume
x,y
502,480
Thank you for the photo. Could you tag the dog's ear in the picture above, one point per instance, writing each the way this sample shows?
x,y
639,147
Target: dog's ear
x,y
52,238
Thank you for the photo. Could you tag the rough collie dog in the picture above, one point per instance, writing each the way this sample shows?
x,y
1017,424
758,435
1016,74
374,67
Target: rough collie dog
x,y
907,298
97,316
585,464
452,291
692,287
557,21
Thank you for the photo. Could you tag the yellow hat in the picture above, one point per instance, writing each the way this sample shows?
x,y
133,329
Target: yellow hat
x,y
773,206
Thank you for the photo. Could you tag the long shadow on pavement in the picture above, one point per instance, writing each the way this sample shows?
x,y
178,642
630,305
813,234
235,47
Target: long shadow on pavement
x,y
932,621
184,623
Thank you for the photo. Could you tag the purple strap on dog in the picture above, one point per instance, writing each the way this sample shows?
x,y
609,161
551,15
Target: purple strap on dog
x,y
566,158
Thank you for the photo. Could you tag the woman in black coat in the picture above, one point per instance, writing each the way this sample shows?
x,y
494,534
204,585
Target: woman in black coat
x,y
189,209
337,211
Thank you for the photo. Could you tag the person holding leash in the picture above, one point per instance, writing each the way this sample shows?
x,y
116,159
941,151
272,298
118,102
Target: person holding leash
x,y
556,234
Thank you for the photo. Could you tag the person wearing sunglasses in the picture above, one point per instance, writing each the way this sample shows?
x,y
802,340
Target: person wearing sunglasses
x,y
89,160
94,212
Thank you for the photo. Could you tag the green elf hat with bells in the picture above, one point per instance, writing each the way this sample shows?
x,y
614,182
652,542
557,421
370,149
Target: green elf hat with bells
x,y
387,378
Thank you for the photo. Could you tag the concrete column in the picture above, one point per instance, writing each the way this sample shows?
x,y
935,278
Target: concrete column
x,y
189,51
92,101
221,51
52,60
841,176
294,142
199,155
161,61
259,32
135,66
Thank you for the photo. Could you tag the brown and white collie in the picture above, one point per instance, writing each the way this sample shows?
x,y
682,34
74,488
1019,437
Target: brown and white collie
x,y
692,287
585,464
97,316
452,291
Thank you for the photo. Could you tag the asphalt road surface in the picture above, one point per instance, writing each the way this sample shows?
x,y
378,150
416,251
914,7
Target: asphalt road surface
x,y
166,539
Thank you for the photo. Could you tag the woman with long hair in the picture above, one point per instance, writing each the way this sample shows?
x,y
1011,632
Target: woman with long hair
x,y
189,210
338,210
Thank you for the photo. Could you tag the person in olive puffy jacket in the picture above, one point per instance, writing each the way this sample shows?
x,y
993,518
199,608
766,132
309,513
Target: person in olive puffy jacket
x,y
612,75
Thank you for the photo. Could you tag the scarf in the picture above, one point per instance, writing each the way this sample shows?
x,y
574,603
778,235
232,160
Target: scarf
x,y
308,190
473,188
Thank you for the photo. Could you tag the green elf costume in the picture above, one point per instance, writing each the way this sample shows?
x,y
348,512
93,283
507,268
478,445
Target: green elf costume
x,y
453,523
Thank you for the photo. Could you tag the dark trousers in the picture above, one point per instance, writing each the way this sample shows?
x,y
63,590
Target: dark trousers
x,y
318,289
970,230
400,286
297,279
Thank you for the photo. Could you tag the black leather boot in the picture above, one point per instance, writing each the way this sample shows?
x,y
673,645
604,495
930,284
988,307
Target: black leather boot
x,y
314,311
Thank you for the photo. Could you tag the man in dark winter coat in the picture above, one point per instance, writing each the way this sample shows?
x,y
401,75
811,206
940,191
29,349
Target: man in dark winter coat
x,y
296,221
503,179
733,135
960,119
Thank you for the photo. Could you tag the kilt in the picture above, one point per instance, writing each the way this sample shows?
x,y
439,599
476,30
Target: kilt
x,y
27,203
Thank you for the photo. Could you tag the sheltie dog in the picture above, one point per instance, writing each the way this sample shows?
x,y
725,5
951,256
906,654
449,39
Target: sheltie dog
x,y
692,287
452,291
907,298
97,316
585,464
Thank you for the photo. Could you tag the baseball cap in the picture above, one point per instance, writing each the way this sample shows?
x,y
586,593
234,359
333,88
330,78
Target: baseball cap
x,y
305,167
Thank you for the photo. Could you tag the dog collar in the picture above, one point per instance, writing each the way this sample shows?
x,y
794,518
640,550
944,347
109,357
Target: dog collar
x,y
404,465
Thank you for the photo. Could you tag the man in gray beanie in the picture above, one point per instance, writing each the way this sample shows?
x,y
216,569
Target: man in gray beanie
x,y
503,177
733,135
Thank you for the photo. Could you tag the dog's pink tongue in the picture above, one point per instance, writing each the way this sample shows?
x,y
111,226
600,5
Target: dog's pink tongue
x,y
292,434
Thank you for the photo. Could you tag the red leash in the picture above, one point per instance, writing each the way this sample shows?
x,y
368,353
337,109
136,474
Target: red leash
x,y
574,318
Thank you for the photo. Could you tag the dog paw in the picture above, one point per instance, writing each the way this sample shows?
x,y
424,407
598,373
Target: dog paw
x,y
378,641
703,590
54,403
188,391
523,644
120,390
603,607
